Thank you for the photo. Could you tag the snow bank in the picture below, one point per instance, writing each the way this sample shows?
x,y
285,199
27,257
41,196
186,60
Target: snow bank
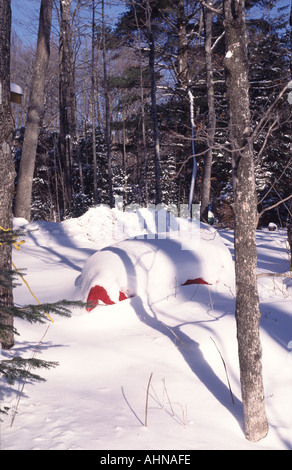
x,y
101,223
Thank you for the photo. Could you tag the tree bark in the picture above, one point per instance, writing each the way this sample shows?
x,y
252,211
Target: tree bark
x,y
182,46
245,219
143,123
67,101
194,171
92,105
158,197
206,183
289,228
29,149
107,112
7,173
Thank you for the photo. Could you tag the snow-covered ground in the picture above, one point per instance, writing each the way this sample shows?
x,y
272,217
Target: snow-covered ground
x,y
96,397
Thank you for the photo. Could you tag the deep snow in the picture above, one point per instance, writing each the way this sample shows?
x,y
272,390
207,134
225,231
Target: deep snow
x,y
96,397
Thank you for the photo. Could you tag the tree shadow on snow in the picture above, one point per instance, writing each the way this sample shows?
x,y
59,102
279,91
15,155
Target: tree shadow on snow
x,y
187,346
62,239
275,320
25,349
190,350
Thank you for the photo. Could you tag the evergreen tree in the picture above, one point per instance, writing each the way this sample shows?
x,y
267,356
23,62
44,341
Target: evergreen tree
x,y
17,368
269,71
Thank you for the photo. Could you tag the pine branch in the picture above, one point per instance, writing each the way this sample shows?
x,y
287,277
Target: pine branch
x,y
19,369
38,313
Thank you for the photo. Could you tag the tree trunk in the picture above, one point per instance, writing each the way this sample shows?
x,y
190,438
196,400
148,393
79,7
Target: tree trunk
x,y
92,105
206,183
7,173
29,149
245,215
107,112
143,124
289,228
67,101
154,106
194,171
182,46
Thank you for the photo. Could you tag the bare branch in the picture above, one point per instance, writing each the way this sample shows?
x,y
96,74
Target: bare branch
x,y
267,114
287,274
274,205
276,181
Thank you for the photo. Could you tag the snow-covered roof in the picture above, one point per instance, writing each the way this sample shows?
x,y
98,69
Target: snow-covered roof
x,y
16,89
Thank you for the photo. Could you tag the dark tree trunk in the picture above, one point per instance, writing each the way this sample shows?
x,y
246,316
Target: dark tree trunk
x,y
92,105
7,174
206,183
107,112
154,105
142,184
289,231
245,219
67,101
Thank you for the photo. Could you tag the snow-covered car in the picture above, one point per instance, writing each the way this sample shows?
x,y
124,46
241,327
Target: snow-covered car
x,y
155,268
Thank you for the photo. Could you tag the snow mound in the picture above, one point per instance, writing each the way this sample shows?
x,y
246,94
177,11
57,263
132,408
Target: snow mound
x,y
156,268
101,223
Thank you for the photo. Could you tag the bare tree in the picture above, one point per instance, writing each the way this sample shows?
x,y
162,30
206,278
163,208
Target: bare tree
x,y
7,175
93,114
206,182
27,163
158,194
107,109
245,220
143,115
67,99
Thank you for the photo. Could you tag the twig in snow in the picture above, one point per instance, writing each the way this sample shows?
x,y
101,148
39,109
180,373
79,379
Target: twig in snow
x,y
225,371
147,397
165,389
24,382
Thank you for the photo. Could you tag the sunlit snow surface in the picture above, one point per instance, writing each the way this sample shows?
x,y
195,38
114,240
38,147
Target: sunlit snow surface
x,y
95,398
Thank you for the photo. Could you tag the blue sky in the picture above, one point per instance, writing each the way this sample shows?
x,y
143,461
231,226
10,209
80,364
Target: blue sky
x,y
25,16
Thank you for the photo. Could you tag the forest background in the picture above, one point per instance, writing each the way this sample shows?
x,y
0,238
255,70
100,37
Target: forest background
x,y
123,145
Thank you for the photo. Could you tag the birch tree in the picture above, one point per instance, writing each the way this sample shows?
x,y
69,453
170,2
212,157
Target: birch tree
x,y
245,220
